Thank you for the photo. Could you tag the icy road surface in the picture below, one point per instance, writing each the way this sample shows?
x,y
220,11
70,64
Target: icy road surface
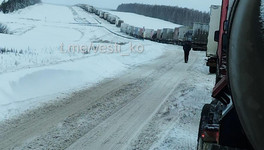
x,y
152,106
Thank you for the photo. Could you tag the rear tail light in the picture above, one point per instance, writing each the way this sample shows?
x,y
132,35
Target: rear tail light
x,y
210,134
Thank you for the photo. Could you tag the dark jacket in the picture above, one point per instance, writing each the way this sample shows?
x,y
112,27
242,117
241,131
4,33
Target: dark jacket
x,y
187,46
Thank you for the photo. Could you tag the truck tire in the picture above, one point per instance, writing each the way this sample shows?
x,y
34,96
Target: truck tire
x,y
212,69
203,121
212,146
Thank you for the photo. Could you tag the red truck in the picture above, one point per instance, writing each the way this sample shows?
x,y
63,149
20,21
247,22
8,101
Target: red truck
x,y
234,120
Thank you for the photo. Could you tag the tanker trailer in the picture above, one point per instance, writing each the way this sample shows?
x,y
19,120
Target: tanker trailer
x,y
234,120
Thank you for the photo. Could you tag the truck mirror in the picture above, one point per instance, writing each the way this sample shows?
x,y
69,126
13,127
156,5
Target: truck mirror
x,y
226,25
225,42
216,36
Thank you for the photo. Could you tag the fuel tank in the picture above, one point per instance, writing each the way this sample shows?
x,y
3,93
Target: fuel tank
x,y
246,67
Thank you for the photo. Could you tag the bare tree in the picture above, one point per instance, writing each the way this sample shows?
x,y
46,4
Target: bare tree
x,y
178,15
12,5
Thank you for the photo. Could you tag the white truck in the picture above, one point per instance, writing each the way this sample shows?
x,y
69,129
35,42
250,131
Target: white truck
x,y
148,33
123,27
215,12
200,35
182,31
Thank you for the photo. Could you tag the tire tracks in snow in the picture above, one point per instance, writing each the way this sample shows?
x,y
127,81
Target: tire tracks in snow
x,y
58,125
175,125
118,130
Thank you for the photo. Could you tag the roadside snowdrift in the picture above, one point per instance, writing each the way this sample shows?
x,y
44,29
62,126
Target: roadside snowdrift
x,y
34,69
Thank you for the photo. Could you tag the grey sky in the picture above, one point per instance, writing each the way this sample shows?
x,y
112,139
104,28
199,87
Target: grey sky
x,y
202,5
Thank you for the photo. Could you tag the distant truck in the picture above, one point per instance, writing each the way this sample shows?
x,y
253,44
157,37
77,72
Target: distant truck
x,y
123,27
112,19
148,34
200,36
159,35
90,9
101,15
179,35
119,22
215,13
154,36
140,33
106,15
87,8
176,35
167,35
131,30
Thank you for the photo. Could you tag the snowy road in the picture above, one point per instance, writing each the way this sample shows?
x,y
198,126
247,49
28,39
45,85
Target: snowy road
x,y
109,115
55,100
116,131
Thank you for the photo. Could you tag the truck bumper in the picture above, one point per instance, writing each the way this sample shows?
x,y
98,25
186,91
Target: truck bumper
x,y
211,62
199,46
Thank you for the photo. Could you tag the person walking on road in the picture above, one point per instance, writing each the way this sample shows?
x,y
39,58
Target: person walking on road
x,y
187,46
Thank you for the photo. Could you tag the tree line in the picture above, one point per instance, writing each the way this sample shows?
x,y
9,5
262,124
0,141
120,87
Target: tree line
x,y
13,5
175,14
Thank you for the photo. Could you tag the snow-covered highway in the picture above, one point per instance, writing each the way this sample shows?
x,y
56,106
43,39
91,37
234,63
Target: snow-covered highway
x,y
112,113
55,100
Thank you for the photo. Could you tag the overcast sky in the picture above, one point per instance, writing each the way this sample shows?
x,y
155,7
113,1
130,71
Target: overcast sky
x,y
202,5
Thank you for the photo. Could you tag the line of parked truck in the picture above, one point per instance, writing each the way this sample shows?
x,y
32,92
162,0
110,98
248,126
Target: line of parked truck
x,y
197,35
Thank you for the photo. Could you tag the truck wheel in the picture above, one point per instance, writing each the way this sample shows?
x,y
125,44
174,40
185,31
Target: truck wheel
x,y
213,146
203,122
212,69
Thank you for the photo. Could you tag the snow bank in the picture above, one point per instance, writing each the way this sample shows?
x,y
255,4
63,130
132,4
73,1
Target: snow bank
x,y
36,82
25,88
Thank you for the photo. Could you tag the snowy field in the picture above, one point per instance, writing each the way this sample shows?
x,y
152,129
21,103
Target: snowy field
x,y
143,21
34,65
